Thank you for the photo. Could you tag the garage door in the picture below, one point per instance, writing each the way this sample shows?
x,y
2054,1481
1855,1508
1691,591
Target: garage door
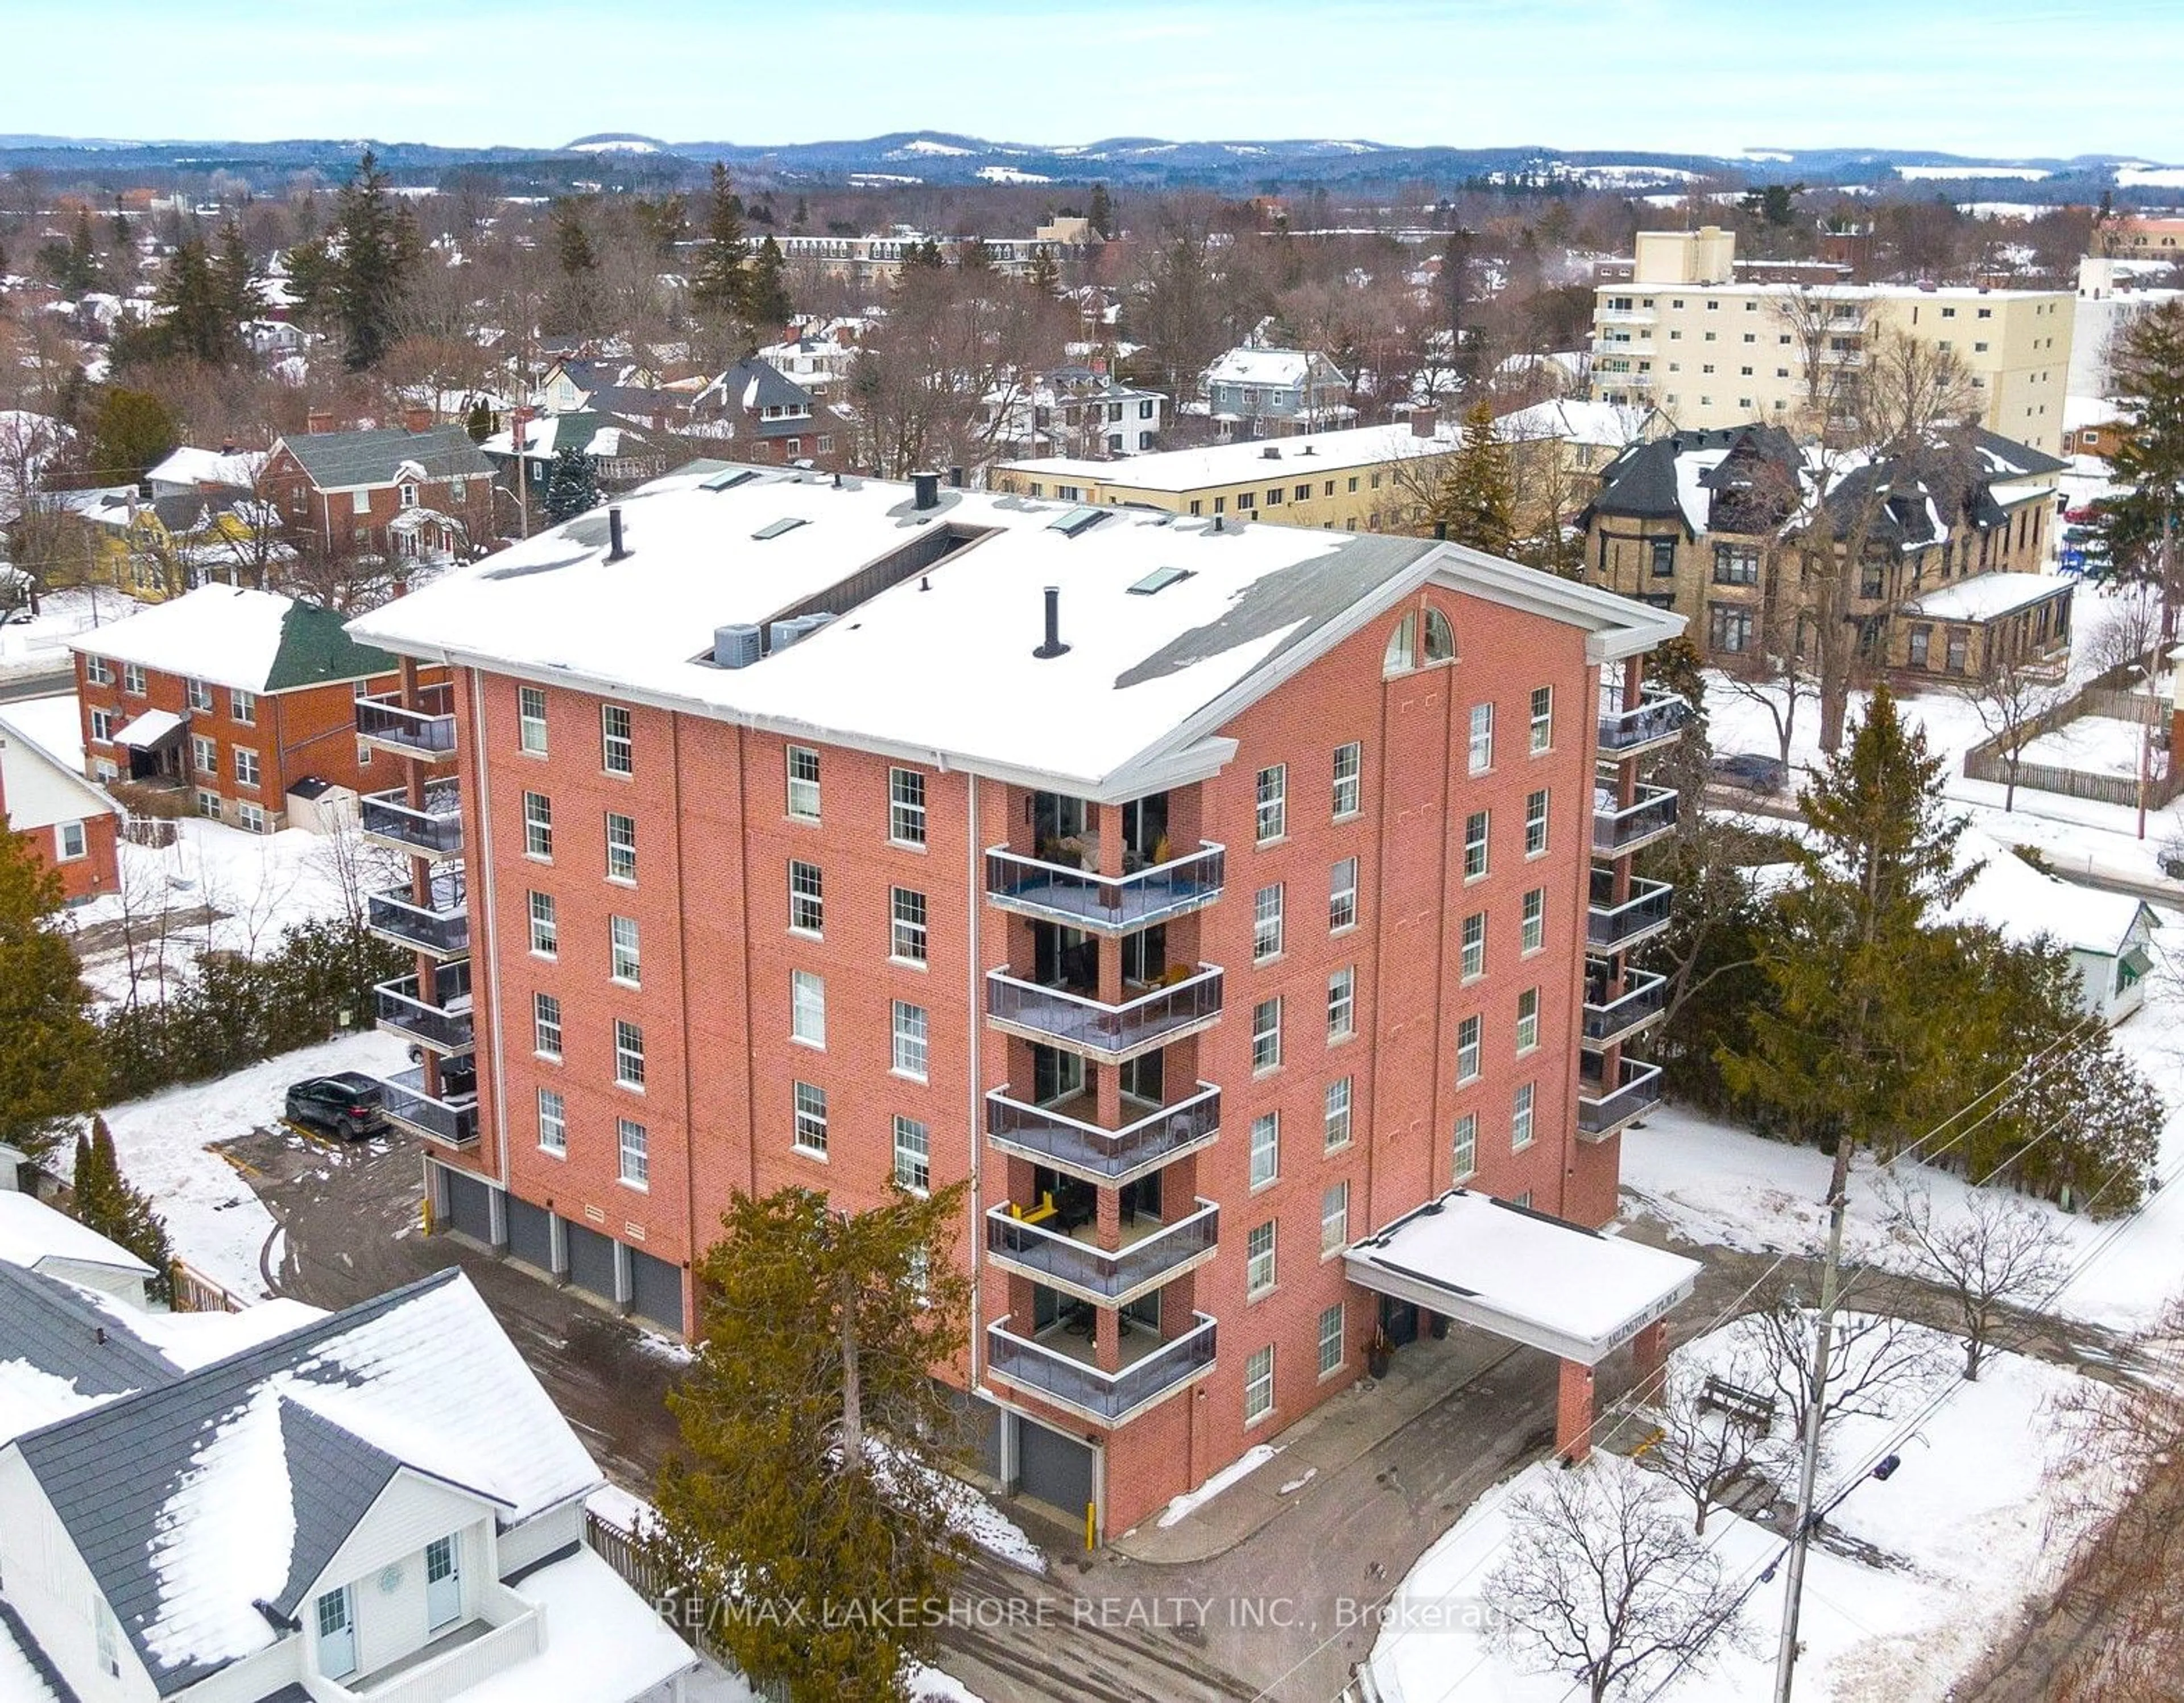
x,y
531,1234
656,1290
591,1261
1058,1470
469,1205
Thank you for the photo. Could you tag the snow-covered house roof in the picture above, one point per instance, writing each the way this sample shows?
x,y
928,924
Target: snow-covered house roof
x,y
39,1238
1608,425
194,1499
1277,458
1155,664
2024,905
39,787
1276,368
1984,596
751,387
188,468
234,636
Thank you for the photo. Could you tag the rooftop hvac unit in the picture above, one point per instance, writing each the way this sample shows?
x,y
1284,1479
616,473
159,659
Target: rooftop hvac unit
x,y
738,646
783,634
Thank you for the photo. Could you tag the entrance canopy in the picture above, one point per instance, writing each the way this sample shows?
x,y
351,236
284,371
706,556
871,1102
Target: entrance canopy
x,y
150,730
1535,1279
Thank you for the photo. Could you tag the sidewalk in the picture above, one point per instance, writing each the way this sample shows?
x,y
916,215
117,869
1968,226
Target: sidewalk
x,y
1422,1375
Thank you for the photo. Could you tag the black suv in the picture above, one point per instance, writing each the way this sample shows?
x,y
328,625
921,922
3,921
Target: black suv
x,y
347,1105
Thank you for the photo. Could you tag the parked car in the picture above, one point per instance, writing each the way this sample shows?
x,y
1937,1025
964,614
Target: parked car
x,y
348,1104
1751,771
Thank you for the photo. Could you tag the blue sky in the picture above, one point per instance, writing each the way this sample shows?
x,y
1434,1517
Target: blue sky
x,y
1982,76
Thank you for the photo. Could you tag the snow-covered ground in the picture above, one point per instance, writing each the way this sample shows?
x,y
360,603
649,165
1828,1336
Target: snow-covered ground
x,y
1957,1538
213,1220
2097,744
39,644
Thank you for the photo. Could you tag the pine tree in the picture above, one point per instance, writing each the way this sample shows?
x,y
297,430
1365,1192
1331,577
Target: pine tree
x,y
718,287
235,281
820,1329
50,1066
1045,277
571,489
105,1202
1101,216
132,433
770,306
1473,499
195,323
481,422
2141,526
1852,1050
379,254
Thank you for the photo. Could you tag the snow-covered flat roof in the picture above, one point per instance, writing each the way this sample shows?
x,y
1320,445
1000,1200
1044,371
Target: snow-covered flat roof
x,y
602,1640
1273,460
1522,1274
1985,596
939,666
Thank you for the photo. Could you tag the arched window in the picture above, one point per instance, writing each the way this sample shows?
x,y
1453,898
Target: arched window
x,y
1402,652
1440,637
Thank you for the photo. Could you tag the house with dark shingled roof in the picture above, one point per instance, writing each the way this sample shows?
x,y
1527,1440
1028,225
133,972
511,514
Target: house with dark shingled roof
x,y
414,491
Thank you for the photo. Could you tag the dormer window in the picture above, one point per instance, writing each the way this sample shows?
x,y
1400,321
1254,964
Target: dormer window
x,y
408,495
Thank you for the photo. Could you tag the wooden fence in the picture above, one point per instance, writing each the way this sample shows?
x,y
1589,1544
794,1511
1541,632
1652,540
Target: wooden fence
x,y
2105,695
621,1550
196,1292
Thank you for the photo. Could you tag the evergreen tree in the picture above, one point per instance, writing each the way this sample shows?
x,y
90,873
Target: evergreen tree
x,y
972,255
235,279
1102,215
481,422
105,1202
73,265
379,253
820,1329
2142,525
51,1067
718,288
132,433
1045,277
1474,498
195,322
770,306
1851,1051
571,489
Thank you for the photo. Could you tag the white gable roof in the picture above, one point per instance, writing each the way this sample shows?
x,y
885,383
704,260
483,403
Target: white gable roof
x,y
33,1234
39,788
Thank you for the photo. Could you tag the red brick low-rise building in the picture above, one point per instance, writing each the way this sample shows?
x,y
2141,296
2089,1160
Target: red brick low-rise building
x,y
73,825
417,492
1212,899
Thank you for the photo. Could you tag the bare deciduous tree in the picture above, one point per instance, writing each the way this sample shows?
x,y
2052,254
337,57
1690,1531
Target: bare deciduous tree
x,y
1873,1359
2000,1253
2011,703
1709,1445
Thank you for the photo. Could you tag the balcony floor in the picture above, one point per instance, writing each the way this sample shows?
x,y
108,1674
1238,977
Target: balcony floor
x,y
1140,1343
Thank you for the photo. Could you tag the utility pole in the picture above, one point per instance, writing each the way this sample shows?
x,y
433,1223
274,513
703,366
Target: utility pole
x,y
1786,1657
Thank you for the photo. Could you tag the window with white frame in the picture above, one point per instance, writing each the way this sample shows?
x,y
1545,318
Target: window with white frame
x,y
538,827
906,807
208,804
1342,896
98,670
617,749
204,754
1401,655
1535,823
200,693
69,839
546,1026
102,726
1259,1385
1271,820
1330,1340
1336,1129
807,1008
1472,952
1479,756
1527,1020
1333,1217
1342,1005
810,1133
1467,1049
1266,1033
134,681
1543,720
1349,767
635,1150
1266,923
629,1054
1520,1119
1474,845
545,925
912,1039
1465,1160
553,1122
906,940
624,961
243,706
247,772
1259,1259
622,847
1532,935
530,720
1266,1147
803,783
913,1155
1440,637
807,898
251,819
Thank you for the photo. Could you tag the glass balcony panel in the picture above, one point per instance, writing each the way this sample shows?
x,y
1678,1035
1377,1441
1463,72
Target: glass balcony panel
x,y
1113,903
1606,1019
1059,1367
427,731
452,1120
1051,1135
446,1027
1609,927
441,926
1601,1110
436,829
1153,1252
1099,1030
1620,828
1657,718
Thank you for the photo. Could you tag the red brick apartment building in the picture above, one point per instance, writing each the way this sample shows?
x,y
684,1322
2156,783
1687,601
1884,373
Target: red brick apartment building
x,y
1239,910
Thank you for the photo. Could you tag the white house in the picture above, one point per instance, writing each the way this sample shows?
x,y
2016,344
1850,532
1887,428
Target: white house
x,y
279,1507
37,1238
2110,936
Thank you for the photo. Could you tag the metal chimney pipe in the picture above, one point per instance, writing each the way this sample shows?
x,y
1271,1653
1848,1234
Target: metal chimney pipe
x,y
1441,531
927,487
614,551
1054,647
956,478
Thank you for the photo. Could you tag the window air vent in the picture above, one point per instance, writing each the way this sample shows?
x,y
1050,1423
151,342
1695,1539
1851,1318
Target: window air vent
x,y
1159,580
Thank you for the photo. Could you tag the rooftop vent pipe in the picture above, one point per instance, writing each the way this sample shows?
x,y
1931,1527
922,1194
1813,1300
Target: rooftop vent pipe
x,y
1441,531
614,551
956,478
926,487
1054,647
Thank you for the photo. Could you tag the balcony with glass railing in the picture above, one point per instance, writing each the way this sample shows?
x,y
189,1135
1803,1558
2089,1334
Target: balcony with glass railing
x,y
440,924
1110,904
447,1028
432,829
1097,1030
1606,1021
425,729
1071,1261
1602,1109
1620,828
449,1118
1612,927
1658,718
1056,1136
1058,1368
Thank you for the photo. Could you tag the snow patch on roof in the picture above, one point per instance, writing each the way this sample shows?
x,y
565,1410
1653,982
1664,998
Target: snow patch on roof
x,y
33,1232
1985,596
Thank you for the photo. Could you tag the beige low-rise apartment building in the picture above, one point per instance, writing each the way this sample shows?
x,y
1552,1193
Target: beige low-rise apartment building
x,y
1687,336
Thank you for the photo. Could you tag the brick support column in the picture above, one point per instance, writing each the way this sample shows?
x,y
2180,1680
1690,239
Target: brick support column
x,y
1574,1413
1650,1348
